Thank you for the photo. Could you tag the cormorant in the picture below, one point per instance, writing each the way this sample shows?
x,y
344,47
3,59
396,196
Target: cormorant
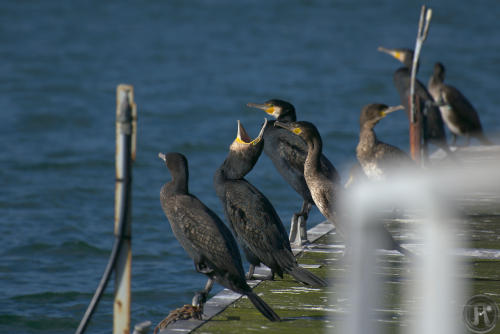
x,y
288,154
434,128
457,112
377,158
251,215
323,185
324,190
204,236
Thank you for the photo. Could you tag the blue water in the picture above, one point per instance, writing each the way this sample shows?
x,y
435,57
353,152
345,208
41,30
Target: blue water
x,y
194,66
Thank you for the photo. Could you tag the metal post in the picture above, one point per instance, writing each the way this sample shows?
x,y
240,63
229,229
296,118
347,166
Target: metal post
x,y
126,116
416,119
415,130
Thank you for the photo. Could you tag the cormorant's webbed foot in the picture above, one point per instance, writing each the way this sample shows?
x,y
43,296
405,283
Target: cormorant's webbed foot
x,y
199,298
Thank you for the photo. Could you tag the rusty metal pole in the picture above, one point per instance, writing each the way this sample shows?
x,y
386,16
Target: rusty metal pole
x,y
126,116
417,142
416,131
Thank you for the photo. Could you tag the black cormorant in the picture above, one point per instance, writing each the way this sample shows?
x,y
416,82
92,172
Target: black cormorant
x,y
434,127
324,190
288,154
204,236
251,216
457,112
377,158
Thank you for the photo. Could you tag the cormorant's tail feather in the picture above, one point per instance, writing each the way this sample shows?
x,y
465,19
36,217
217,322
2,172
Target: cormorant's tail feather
x,y
263,308
307,277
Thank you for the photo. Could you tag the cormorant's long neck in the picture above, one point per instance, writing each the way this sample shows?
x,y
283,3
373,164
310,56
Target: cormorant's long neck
x,y
179,183
408,63
314,149
219,180
236,165
288,118
436,79
367,137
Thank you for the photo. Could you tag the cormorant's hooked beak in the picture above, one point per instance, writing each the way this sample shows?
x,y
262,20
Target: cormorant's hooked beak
x,y
243,138
289,126
392,109
271,110
162,156
282,125
393,52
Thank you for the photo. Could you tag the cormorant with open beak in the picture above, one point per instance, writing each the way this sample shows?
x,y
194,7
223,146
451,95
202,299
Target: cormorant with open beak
x,y
204,237
252,217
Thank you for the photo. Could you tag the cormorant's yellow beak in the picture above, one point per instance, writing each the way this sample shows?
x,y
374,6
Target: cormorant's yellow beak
x,y
243,138
396,54
270,109
391,109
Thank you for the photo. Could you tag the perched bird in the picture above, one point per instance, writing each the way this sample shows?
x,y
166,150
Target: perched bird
x,y
204,237
324,190
288,154
434,127
252,217
323,185
457,112
377,158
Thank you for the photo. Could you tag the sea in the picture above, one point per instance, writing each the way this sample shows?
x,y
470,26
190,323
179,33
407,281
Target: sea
x,y
194,66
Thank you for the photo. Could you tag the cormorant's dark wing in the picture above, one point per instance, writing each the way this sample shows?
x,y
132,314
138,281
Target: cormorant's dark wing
x,y
288,153
462,107
390,157
254,220
435,125
204,236
328,169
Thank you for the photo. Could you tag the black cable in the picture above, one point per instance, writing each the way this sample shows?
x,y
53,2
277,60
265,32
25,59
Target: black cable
x,y
101,287
123,216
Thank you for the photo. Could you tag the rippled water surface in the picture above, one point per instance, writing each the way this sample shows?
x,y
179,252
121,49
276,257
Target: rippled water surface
x,y
194,66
